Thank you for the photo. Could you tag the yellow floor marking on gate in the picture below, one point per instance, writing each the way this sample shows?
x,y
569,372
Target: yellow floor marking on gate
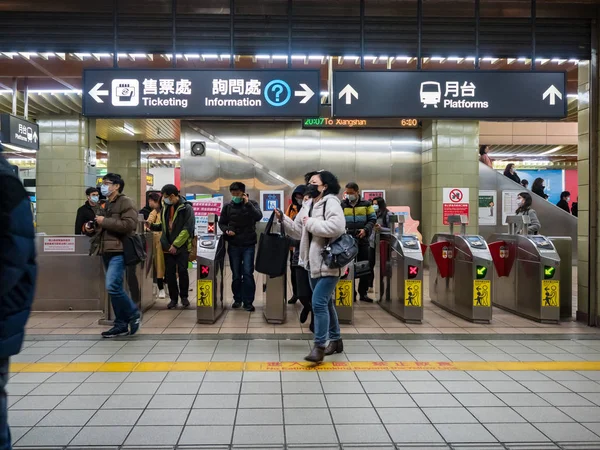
x,y
267,366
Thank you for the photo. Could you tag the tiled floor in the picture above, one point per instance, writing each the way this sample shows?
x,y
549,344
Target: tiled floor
x,y
491,409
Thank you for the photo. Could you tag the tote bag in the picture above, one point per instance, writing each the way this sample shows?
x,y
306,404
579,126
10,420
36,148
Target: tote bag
x,y
273,251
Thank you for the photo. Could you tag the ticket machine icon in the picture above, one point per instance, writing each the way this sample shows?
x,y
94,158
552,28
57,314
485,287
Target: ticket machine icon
x,y
431,93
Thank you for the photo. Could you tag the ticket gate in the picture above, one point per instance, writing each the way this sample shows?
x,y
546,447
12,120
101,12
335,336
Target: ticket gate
x,y
344,296
275,299
461,282
527,272
211,266
402,275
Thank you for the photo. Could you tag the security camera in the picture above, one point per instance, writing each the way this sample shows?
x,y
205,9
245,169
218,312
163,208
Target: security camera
x,y
198,148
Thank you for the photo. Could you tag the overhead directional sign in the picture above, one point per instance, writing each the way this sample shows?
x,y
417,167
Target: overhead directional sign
x,y
450,94
200,93
19,132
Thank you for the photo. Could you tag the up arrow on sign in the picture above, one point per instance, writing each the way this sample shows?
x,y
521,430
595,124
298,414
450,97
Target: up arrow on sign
x,y
553,93
349,92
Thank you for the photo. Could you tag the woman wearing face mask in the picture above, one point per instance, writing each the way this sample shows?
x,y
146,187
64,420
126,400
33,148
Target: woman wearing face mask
x,y
320,221
383,225
524,200
538,188
510,172
159,257
563,203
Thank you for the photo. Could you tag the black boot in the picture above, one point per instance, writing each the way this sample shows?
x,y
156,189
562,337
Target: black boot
x,y
334,347
293,300
316,355
311,327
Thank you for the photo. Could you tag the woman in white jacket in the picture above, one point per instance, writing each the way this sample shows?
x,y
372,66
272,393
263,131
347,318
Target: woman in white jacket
x,y
320,221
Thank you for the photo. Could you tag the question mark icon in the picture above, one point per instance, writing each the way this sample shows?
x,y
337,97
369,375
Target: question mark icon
x,y
278,89
277,92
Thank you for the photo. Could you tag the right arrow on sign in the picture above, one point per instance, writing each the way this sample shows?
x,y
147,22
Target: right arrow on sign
x,y
349,92
306,92
95,92
553,93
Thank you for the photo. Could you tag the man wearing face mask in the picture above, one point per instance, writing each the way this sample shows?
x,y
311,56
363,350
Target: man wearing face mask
x,y
238,222
111,225
360,221
177,224
88,210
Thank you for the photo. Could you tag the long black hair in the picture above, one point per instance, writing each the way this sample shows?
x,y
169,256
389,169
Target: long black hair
x,y
538,184
507,169
382,205
528,202
482,149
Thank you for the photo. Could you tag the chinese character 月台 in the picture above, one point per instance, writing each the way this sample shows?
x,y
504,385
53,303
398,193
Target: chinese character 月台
x,y
451,89
219,87
166,87
183,87
467,89
150,87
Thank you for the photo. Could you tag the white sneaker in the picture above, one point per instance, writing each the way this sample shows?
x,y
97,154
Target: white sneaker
x,y
161,293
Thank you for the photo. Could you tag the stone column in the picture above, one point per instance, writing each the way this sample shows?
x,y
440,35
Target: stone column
x,y
124,159
449,159
62,171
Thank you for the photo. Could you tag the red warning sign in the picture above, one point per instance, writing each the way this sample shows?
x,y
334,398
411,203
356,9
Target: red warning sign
x,y
455,202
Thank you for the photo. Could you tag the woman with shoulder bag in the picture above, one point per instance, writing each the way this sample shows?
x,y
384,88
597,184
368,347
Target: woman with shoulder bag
x,y
320,222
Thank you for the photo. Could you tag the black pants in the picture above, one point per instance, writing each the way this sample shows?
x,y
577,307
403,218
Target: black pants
x,y
177,264
293,277
363,255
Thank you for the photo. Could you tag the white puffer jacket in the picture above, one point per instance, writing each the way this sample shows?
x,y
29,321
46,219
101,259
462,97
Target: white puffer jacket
x,y
323,230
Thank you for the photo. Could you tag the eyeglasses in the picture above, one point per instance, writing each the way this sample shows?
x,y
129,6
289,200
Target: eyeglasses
x,y
107,183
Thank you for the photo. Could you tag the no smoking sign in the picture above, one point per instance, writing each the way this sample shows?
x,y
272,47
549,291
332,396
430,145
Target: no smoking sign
x,y
456,195
455,202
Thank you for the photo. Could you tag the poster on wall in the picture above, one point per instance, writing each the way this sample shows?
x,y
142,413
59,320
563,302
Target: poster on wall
x,y
411,226
370,194
509,204
488,208
269,202
455,201
203,205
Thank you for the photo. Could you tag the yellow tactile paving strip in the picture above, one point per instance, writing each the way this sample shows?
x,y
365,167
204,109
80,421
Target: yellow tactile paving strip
x,y
298,366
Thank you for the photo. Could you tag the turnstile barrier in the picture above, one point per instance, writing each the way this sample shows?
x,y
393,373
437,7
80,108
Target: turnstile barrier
x,y
210,285
344,296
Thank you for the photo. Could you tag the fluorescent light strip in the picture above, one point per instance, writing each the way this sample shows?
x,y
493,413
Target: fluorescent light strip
x,y
552,150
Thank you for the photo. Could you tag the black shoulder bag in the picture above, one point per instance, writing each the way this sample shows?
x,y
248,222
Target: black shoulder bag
x,y
340,252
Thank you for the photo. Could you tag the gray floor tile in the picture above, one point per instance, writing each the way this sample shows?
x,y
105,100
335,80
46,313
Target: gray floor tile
x,y
113,435
435,400
307,416
151,435
565,375
489,375
300,376
449,415
210,416
262,377
184,377
414,433
216,401
258,434
24,388
319,434
96,389
260,417
527,375
591,374
38,402
111,417
365,376
451,375
592,397
464,387
583,413
348,401
155,377
48,436
362,434
337,376
504,386
13,399
61,418
127,402
304,401
560,399
219,388
392,400
107,377
523,399
26,418
567,432
423,387
171,402
342,387
30,377
594,427
68,377
543,414
544,386
137,388
383,387
17,432
581,386
223,376
465,433
402,415
496,415
343,416
261,388
56,359
162,417
260,401
206,435
516,432
478,399
302,387
189,388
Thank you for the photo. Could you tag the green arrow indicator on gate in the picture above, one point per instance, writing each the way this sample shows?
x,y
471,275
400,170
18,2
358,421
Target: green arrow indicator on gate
x,y
549,272
481,272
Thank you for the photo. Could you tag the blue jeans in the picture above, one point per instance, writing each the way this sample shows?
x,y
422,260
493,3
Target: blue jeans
x,y
4,430
241,260
122,305
327,325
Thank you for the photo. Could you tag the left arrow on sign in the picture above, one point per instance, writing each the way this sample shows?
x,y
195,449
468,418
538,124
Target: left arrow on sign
x,y
95,92
306,92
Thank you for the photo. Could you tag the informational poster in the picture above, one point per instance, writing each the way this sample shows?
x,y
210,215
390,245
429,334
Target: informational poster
x,y
412,293
203,205
509,204
59,244
411,226
455,201
370,194
269,202
488,208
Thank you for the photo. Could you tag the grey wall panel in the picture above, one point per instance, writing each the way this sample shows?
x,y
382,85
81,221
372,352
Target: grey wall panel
x,y
338,154
373,159
406,170
302,152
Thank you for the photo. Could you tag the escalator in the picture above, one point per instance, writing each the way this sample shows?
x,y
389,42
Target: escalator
x,y
555,221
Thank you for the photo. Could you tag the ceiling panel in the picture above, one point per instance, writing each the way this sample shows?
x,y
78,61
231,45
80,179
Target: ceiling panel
x,y
147,130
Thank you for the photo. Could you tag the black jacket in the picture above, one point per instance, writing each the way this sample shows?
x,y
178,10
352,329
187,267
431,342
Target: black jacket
x,y
575,209
240,218
513,176
539,192
17,261
184,225
145,211
85,213
564,205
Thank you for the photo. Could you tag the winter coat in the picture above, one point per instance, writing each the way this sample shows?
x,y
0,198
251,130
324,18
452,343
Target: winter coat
x,y
292,212
85,213
486,160
383,220
120,220
240,218
540,192
17,261
317,233
535,225
513,176
159,256
182,231
564,205
359,217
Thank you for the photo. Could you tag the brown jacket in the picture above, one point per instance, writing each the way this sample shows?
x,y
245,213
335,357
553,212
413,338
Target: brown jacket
x,y
121,219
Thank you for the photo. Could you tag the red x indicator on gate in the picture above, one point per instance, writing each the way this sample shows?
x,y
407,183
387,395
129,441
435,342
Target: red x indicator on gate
x,y
211,227
413,271
204,271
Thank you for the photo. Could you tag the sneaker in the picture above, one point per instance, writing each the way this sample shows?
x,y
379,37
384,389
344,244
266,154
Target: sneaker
x,y
134,324
161,293
172,305
366,299
115,332
236,305
185,302
250,308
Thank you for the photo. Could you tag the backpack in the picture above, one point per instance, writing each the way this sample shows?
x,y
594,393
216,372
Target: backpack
x,y
340,252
